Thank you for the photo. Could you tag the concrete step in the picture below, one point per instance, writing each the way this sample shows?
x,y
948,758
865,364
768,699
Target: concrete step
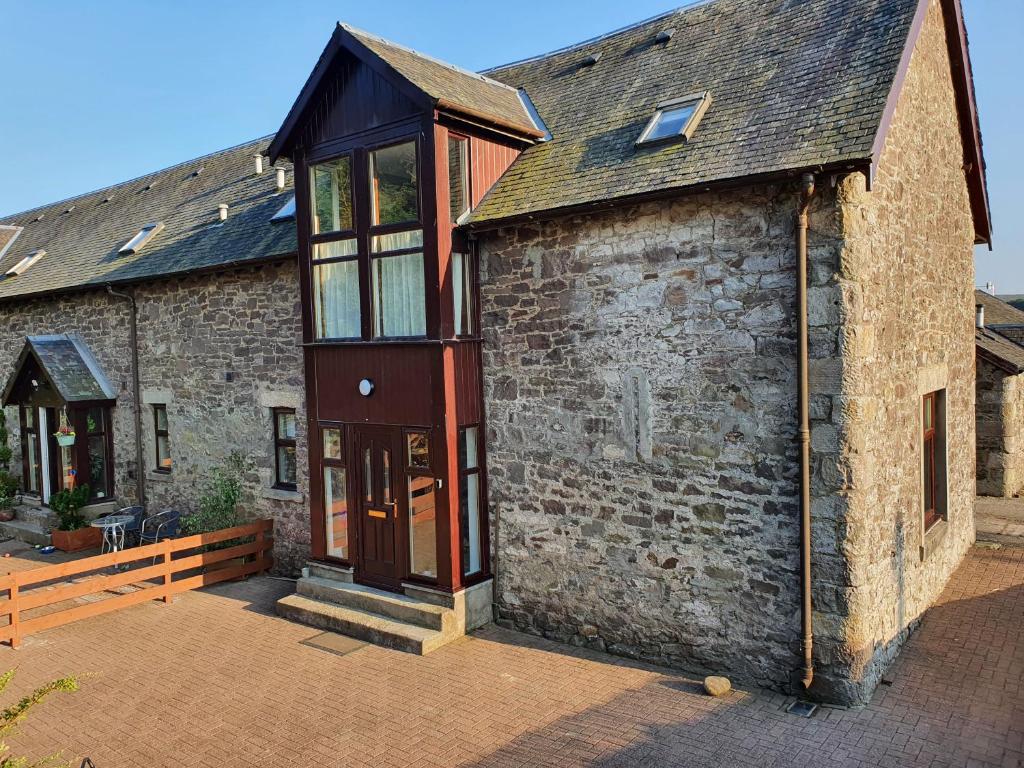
x,y
325,571
362,598
363,625
28,532
40,516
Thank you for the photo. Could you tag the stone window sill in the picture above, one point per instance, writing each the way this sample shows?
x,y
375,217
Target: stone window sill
x,y
933,538
158,477
280,494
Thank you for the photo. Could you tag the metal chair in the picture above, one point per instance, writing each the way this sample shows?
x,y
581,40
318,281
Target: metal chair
x,y
133,530
163,525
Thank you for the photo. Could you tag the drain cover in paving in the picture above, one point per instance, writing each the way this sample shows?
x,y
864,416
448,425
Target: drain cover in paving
x,y
802,708
332,642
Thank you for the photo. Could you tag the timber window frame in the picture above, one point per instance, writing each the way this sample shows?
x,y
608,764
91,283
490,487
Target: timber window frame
x,y
336,488
934,477
421,483
472,517
32,473
369,279
162,452
286,443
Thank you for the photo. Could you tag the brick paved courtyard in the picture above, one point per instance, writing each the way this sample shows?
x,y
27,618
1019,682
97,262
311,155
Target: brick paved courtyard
x,y
217,680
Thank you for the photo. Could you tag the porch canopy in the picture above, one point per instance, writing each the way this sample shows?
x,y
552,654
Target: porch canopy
x,y
57,371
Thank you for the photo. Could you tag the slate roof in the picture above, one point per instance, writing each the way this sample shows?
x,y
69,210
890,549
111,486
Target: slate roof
x,y
794,84
82,235
997,311
69,364
475,94
1007,354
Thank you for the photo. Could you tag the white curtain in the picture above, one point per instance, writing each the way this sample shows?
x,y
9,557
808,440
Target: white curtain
x,y
399,292
336,288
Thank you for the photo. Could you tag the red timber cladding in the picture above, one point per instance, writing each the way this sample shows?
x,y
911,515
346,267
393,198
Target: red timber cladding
x,y
406,377
488,161
355,98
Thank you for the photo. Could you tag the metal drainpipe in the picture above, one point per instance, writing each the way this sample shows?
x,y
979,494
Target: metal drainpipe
x,y
133,341
806,612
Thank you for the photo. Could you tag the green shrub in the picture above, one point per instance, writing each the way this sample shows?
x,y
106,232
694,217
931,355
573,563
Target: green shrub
x,y
9,484
5,449
218,505
14,714
67,505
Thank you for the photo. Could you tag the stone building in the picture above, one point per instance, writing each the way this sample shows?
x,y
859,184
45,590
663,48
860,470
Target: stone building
x,y
999,406
566,340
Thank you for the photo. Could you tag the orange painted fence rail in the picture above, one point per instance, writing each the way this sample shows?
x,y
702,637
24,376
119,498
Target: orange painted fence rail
x,y
35,588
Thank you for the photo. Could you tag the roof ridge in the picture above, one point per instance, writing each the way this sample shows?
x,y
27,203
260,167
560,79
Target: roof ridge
x,y
132,180
469,73
590,41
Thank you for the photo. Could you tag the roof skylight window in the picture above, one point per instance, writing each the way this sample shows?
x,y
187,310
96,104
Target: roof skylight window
x,y
287,211
24,264
675,120
140,240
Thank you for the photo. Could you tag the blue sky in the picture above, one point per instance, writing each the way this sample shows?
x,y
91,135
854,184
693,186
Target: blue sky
x,y
100,92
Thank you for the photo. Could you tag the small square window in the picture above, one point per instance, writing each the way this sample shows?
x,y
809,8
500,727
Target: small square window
x,y
675,120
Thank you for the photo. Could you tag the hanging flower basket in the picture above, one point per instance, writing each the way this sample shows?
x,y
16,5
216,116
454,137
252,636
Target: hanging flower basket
x,y
65,434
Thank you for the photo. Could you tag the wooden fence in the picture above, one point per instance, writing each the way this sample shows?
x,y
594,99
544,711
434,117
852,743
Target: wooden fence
x,y
38,588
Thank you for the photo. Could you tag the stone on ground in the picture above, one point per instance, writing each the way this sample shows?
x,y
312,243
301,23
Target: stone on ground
x,y
717,686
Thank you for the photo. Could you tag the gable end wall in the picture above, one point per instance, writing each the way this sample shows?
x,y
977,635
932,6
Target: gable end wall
x,y
904,288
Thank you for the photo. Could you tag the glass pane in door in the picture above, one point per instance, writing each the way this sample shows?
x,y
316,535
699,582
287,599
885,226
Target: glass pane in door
x,y
422,527
336,509
33,463
98,466
67,467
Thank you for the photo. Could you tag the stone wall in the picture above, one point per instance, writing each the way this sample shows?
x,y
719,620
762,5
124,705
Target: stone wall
x,y
1000,427
902,306
192,333
640,379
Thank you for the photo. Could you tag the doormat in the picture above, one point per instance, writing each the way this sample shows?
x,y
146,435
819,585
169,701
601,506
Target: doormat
x,y
332,642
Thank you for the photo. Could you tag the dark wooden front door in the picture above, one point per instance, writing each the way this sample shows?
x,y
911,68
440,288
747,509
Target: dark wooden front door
x,y
379,505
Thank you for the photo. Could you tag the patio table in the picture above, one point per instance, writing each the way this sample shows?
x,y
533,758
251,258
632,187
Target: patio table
x,y
113,531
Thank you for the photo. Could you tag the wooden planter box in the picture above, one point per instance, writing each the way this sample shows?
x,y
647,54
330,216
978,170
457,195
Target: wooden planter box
x,y
75,541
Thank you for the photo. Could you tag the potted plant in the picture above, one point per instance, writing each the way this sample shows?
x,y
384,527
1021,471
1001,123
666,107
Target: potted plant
x,y
73,533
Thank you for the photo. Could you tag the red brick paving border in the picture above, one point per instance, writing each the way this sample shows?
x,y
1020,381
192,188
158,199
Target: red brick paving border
x,y
217,680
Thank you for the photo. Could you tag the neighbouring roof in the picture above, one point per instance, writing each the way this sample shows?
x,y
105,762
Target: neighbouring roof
x,y
68,365
999,350
997,311
1000,340
794,85
82,236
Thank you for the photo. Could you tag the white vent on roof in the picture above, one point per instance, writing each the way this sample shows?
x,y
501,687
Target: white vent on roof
x,y
143,237
287,211
222,211
280,178
259,164
24,264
